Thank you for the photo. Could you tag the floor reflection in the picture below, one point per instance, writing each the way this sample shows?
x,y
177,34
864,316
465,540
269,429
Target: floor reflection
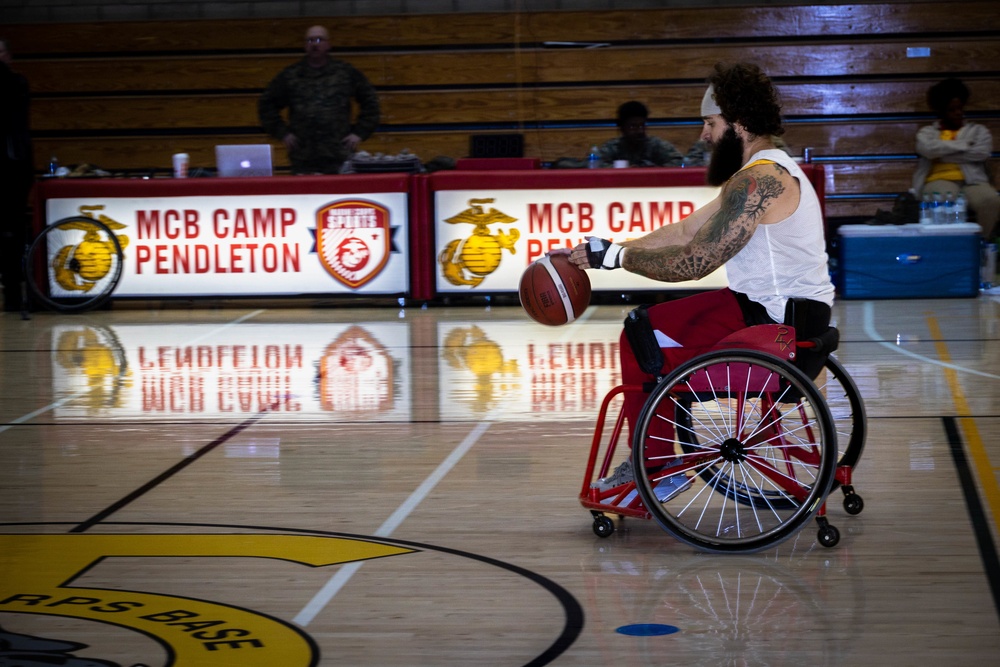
x,y
728,610
336,371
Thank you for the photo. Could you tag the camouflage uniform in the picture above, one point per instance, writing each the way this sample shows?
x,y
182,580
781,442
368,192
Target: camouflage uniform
x,y
319,112
653,152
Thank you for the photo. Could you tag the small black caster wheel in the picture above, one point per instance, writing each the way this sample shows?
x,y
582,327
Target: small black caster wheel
x,y
603,526
828,536
853,504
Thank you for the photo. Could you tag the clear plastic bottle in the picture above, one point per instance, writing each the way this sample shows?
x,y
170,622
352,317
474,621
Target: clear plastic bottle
x,y
926,210
938,209
594,159
53,165
949,208
961,208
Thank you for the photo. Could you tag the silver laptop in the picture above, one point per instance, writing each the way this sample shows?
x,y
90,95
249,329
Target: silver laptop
x,y
243,160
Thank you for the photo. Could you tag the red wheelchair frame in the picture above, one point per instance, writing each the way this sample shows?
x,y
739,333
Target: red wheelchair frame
x,y
779,460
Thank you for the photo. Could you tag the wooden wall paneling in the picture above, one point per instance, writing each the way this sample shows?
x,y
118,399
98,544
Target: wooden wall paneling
x,y
118,113
885,58
156,74
228,112
817,20
688,64
855,208
869,176
385,32
531,107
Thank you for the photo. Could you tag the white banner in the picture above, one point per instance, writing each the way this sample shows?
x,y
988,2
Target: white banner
x,y
486,238
254,245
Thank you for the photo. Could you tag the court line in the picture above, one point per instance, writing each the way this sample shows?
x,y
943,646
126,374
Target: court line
x,y
868,320
344,574
83,392
168,473
973,439
329,590
980,524
977,450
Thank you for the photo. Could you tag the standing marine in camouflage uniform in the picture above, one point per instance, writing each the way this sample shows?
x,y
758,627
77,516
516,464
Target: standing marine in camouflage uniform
x,y
317,91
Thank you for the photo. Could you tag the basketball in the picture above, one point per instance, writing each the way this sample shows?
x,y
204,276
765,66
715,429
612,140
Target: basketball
x,y
554,291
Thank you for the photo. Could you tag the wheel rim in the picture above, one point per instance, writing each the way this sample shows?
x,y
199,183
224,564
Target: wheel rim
x,y
847,409
753,469
74,264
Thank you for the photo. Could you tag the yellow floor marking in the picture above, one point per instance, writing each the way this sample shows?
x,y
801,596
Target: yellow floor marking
x,y
974,442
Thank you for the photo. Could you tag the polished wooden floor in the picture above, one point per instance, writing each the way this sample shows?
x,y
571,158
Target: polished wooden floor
x,y
398,486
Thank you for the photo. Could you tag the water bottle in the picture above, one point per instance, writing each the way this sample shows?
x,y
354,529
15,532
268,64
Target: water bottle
x,y
949,208
926,210
938,209
53,165
961,208
594,159
988,265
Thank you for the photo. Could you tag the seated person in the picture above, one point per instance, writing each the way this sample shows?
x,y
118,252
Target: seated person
x,y
765,227
635,145
953,155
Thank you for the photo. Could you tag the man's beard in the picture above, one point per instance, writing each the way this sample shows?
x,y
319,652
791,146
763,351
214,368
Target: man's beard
x,y
727,158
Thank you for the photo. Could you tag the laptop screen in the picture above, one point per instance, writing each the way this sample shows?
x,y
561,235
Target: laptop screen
x,y
243,160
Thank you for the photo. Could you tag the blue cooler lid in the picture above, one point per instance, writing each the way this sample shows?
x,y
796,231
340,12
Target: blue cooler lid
x,y
956,229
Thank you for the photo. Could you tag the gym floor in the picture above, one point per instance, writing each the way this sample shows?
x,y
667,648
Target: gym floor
x,y
259,484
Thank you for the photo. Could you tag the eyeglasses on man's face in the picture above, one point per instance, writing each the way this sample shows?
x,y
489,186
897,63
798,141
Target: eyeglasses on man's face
x,y
315,40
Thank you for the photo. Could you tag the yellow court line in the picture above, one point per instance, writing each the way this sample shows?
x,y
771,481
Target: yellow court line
x,y
977,451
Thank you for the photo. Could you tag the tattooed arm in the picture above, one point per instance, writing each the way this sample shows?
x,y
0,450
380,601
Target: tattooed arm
x,y
763,194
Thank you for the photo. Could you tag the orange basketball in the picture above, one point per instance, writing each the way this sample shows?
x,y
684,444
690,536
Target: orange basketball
x,y
554,291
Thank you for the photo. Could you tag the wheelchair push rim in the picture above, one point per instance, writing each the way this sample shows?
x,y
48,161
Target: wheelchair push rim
x,y
723,463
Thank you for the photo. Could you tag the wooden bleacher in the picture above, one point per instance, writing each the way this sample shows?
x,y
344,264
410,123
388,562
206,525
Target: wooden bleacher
x,y
125,96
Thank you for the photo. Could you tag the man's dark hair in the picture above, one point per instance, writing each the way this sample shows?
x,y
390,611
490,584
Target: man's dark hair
x,y
940,95
746,96
631,109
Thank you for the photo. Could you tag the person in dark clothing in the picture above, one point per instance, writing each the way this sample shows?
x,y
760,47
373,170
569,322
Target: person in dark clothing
x,y
634,145
318,91
17,174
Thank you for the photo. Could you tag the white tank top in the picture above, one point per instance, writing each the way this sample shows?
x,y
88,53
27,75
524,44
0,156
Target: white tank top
x,y
788,258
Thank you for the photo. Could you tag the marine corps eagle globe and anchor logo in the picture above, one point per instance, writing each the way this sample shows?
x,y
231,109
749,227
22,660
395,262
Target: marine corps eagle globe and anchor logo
x,y
468,261
80,267
354,240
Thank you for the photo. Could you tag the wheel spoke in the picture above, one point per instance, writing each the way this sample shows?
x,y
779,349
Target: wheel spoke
x,y
753,466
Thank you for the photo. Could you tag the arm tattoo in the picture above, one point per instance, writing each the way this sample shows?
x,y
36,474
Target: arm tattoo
x,y
745,199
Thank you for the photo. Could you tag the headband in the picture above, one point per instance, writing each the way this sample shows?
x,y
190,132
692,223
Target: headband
x,y
708,105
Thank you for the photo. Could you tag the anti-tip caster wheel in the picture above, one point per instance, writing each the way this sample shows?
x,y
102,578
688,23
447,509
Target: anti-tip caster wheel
x,y
828,536
603,526
853,504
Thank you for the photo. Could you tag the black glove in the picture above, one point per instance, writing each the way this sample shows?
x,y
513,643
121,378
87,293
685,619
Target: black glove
x,y
604,254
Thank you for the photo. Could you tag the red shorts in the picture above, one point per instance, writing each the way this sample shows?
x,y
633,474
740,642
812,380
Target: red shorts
x,y
696,323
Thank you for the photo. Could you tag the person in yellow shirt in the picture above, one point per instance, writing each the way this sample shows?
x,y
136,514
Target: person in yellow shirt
x,y
953,154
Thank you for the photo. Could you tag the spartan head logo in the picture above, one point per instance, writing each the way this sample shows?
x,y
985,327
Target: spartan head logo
x,y
353,240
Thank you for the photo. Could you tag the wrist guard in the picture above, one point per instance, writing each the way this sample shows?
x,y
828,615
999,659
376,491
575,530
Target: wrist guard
x,y
604,254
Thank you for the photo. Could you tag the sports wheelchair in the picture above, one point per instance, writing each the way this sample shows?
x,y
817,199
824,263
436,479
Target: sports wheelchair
x,y
735,449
